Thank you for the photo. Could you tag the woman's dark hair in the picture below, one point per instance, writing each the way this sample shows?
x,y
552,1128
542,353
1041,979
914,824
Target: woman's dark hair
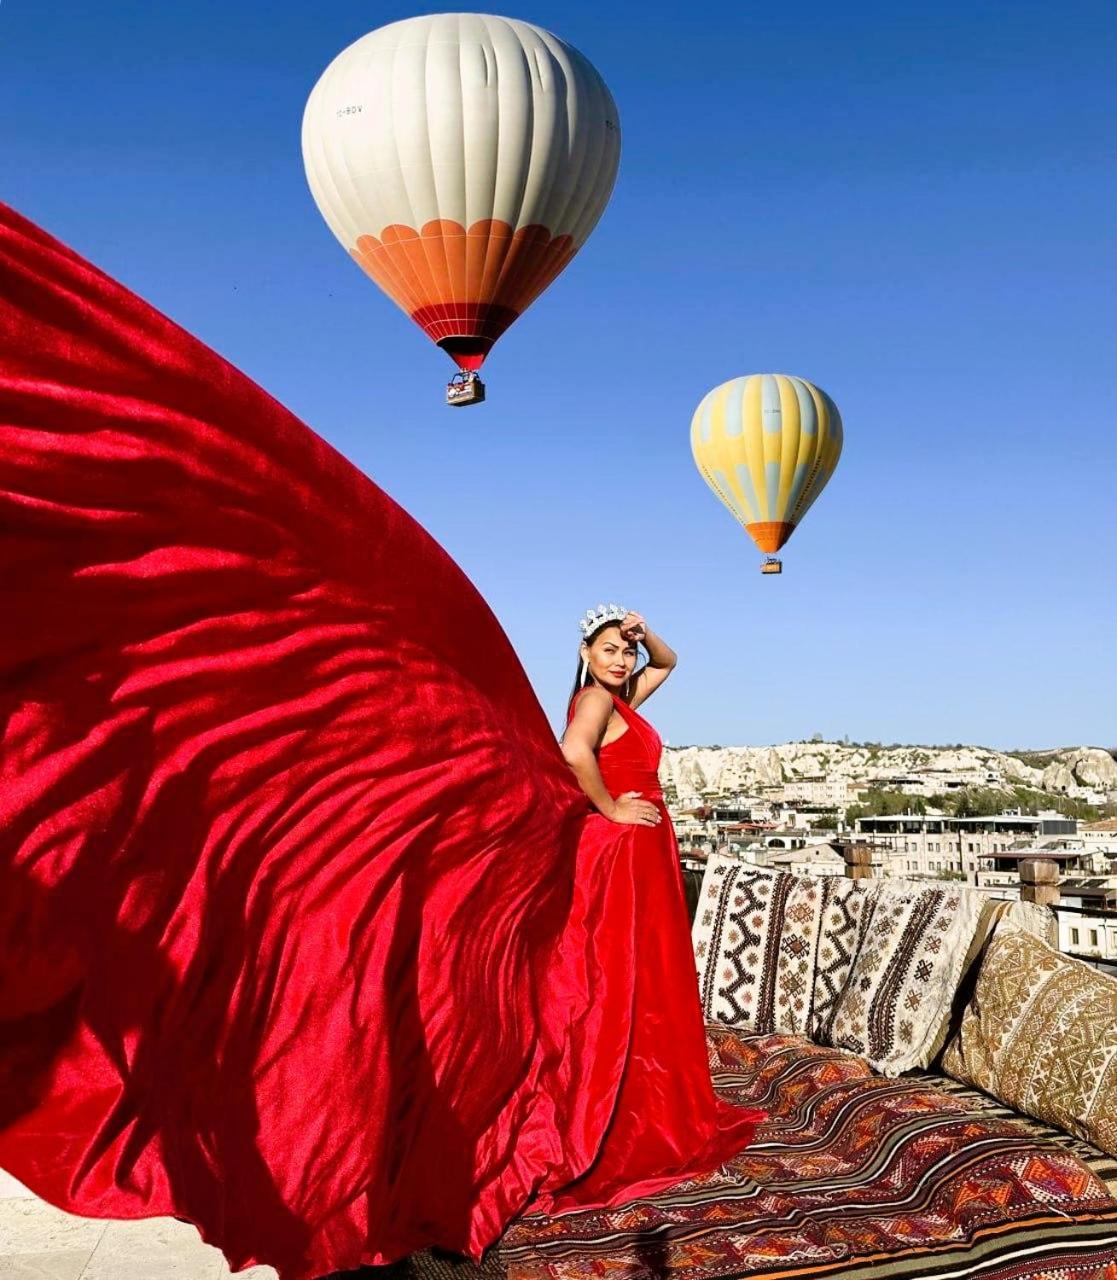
x,y
581,683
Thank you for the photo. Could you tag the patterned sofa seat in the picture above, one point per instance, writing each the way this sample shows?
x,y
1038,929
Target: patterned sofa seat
x,y
858,1172
854,1175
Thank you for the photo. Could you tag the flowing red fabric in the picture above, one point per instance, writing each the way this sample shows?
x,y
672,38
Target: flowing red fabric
x,y
305,933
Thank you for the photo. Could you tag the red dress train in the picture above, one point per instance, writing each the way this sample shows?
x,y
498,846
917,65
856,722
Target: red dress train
x,y
305,933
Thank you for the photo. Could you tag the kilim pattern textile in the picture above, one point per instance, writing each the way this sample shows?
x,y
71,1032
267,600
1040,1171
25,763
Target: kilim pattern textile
x,y
1041,1035
1100,1162
845,906
755,941
896,1006
853,1175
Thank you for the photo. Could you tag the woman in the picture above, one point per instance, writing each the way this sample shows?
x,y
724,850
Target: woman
x,y
305,933
668,1123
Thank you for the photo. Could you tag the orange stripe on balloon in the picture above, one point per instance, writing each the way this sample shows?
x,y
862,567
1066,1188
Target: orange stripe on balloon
x,y
458,283
770,535
390,271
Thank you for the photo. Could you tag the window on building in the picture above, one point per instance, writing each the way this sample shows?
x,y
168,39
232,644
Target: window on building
x,y
1093,937
1074,937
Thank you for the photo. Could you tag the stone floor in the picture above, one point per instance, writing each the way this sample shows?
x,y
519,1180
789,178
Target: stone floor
x,y
40,1242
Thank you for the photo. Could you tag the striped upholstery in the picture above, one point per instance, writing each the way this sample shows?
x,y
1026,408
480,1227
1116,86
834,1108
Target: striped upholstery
x,y
853,1176
1099,1161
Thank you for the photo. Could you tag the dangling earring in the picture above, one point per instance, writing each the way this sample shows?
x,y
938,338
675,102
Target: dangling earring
x,y
582,674
627,683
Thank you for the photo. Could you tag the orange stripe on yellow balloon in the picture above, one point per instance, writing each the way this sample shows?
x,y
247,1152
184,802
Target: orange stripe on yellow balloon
x,y
770,535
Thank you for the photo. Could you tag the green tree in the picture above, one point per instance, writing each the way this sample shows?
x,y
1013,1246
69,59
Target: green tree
x,y
1031,801
881,803
982,802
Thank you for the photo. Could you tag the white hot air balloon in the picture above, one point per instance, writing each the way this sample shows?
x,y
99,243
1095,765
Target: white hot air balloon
x,y
462,160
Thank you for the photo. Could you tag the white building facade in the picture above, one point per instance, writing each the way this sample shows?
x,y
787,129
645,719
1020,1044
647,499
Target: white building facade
x,y
922,845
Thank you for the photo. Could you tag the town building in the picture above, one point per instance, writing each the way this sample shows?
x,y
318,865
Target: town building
x,y
823,859
1100,839
1087,913
929,845
819,792
931,782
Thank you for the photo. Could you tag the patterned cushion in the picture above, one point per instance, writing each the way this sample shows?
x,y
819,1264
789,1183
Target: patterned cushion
x,y
774,950
896,1006
1038,920
755,936
1041,1035
844,912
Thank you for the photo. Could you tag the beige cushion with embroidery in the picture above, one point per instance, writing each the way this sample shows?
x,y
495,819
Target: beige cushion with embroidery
x,y
1040,1034
896,1005
755,935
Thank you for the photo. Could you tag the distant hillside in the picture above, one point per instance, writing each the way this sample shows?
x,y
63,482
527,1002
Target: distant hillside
x,y
1068,771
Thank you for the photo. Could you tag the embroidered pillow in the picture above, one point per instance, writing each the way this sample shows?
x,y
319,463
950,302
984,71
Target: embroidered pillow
x,y
1040,1035
1040,921
755,937
841,918
896,1006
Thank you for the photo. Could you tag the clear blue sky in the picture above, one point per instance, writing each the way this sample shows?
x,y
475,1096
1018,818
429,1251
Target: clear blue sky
x,y
911,205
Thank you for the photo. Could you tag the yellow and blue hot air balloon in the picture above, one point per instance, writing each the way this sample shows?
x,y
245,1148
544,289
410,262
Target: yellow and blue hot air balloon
x,y
767,444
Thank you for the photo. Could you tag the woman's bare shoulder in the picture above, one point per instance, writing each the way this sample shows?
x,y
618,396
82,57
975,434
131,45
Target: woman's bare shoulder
x,y
594,695
593,701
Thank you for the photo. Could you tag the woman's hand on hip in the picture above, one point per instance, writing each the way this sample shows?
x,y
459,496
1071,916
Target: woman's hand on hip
x,y
632,810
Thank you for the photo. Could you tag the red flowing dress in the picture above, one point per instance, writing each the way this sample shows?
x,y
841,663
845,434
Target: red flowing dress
x,y
639,868
306,935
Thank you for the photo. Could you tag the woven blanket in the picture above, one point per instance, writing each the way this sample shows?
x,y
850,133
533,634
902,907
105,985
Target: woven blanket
x,y
853,1175
1101,1162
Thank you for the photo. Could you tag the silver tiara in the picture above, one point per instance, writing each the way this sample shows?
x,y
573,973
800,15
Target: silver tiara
x,y
595,618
